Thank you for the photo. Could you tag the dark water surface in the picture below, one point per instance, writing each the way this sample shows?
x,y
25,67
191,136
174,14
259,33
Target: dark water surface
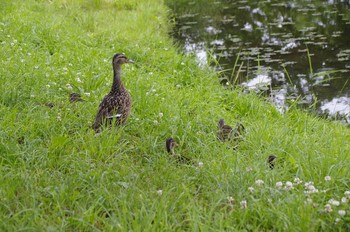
x,y
270,45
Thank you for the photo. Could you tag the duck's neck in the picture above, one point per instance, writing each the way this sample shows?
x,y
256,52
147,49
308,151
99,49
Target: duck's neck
x,y
117,81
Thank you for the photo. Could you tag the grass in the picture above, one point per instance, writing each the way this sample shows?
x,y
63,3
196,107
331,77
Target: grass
x,y
56,174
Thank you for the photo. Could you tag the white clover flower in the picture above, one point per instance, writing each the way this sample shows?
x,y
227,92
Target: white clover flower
x,y
297,181
342,212
259,182
32,96
59,118
251,189
308,184
334,202
69,87
327,178
279,184
78,80
249,169
347,194
289,185
309,200
178,86
65,69
230,200
328,208
48,86
70,64
344,200
200,164
150,73
159,192
243,204
337,220
87,94
160,114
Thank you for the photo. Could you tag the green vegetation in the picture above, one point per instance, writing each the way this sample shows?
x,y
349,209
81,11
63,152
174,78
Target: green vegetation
x,y
56,174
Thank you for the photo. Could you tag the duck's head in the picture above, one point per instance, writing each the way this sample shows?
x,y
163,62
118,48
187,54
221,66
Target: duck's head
x,y
221,123
120,58
170,144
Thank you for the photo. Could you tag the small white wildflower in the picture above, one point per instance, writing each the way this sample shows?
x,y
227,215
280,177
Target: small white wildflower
x,y
344,200
159,192
334,202
70,64
69,87
347,194
337,220
297,181
307,184
22,60
289,185
230,200
15,41
78,80
243,204
65,69
178,86
279,184
200,164
327,178
155,122
166,49
182,63
342,212
29,54
36,66
259,182
249,169
32,95
59,118
309,200
160,115
12,44
328,208
87,94
48,86
251,189
269,200
150,73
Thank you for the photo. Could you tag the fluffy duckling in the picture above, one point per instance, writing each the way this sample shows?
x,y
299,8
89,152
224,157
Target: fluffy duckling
x,y
170,145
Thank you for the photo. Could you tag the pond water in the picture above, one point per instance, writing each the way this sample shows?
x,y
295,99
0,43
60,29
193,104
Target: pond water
x,y
296,51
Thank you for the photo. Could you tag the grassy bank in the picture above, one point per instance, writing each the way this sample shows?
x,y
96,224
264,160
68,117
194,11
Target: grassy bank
x,y
56,174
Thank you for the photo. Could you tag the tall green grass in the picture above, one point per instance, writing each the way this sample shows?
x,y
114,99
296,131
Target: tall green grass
x,y
58,175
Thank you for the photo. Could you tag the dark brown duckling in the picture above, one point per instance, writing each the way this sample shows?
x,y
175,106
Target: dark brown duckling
x,y
117,104
225,131
271,161
170,145
75,97
238,131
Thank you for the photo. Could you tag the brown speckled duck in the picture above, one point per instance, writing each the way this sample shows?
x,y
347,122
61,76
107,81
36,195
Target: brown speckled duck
x,y
116,105
170,145
226,132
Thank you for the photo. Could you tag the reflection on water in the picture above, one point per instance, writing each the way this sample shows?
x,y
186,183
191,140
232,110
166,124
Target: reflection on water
x,y
269,45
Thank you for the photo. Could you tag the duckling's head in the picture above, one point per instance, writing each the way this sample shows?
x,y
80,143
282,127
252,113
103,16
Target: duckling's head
x,y
170,144
120,58
221,123
75,97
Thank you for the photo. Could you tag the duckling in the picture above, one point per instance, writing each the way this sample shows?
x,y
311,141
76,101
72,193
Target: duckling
x,y
271,161
117,103
170,145
225,131
75,97
238,131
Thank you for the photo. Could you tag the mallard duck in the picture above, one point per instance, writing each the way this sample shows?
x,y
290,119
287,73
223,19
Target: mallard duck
x,y
170,145
117,104
226,132
75,97
271,161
